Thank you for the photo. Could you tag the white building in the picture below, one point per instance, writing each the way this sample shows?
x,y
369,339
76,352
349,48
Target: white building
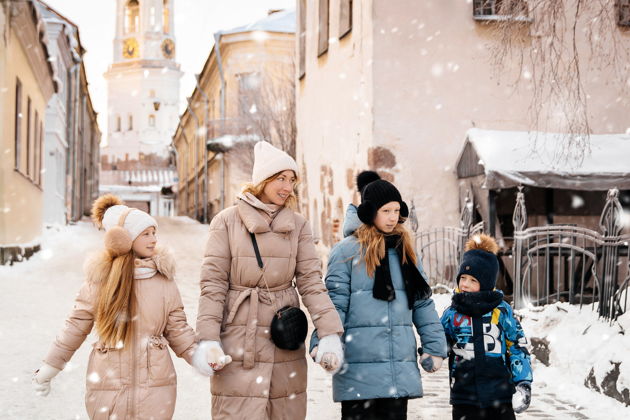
x,y
143,94
143,81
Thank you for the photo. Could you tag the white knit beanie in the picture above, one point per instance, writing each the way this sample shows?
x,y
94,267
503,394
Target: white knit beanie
x,y
135,222
269,161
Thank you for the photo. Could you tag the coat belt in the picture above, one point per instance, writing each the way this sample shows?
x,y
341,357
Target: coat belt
x,y
255,294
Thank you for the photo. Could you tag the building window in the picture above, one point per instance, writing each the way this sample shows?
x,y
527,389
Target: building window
x,y
130,123
345,17
152,93
151,120
301,38
132,16
322,39
166,28
118,123
152,17
18,123
500,9
29,139
36,149
623,12
41,152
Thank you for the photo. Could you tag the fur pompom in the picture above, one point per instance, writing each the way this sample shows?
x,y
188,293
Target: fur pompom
x,y
101,205
482,242
365,178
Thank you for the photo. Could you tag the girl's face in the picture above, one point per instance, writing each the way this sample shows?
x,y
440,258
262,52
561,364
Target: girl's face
x,y
468,283
144,245
387,217
280,189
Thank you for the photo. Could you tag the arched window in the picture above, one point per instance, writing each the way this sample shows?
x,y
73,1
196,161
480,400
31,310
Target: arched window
x,y
151,120
130,123
132,16
118,123
165,17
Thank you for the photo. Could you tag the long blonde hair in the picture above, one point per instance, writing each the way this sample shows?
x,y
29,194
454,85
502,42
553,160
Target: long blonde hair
x,y
257,190
115,303
372,243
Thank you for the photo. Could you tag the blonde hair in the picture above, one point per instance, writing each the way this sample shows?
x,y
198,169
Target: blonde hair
x,y
372,243
257,189
115,303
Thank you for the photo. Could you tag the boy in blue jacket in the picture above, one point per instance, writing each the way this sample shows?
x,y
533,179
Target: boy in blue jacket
x,y
489,365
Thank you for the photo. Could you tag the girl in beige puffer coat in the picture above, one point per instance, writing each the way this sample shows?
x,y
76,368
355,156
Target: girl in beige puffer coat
x,y
130,373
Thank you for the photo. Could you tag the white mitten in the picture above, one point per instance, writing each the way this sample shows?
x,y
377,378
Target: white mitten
x,y
330,353
430,363
209,357
42,378
522,397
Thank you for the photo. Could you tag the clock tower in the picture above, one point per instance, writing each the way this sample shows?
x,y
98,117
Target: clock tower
x,y
142,83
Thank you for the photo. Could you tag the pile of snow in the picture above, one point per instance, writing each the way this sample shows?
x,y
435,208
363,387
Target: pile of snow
x,y
583,350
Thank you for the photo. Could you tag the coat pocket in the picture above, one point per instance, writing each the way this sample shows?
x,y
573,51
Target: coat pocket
x,y
159,362
104,368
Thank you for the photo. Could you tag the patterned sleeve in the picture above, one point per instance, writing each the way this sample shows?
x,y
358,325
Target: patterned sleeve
x,y
516,343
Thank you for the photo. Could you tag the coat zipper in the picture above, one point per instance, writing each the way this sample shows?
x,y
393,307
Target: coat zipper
x,y
391,347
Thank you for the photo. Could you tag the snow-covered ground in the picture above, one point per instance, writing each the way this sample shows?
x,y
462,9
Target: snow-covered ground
x,y
37,295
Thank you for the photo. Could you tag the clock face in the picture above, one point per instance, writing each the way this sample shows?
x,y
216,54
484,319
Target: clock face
x,y
168,48
130,48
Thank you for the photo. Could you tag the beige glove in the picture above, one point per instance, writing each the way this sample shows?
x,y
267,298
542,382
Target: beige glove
x,y
42,378
209,357
329,353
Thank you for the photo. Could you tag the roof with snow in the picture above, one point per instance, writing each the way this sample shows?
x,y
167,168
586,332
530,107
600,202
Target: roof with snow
x,y
511,158
283,21
226,142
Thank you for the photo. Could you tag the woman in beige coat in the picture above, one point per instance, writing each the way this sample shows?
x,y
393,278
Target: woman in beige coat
x,y
130,373
237,303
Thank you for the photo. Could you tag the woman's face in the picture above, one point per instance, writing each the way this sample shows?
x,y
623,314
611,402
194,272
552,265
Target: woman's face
x,y
387,217
280,189
144,245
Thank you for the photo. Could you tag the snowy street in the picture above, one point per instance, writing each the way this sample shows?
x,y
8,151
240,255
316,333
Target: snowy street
x,y
38,294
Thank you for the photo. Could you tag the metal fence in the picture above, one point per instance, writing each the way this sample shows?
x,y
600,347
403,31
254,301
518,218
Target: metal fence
x,y
552,263
441,248
572,264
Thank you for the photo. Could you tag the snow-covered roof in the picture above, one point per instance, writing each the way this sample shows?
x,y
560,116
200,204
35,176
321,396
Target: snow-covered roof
x,y
512,158
226,142
283,21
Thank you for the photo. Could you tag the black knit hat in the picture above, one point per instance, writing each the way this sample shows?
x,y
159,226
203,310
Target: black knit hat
x,y
365,178
375,195
480,261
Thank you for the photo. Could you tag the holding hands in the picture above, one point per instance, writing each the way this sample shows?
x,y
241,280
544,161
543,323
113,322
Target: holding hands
x,y
329,353
430,363
209,357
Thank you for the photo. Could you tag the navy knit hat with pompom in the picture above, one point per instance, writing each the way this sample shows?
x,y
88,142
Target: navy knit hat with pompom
x,y
480,261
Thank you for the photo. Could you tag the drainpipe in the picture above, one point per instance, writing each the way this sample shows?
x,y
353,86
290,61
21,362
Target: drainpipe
x,y
217,48
70,140
186,169
195,145
206,102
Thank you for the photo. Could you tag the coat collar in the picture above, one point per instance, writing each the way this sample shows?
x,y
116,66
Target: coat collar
x,y
255,222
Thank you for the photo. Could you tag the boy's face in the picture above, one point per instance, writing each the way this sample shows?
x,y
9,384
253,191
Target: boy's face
x,y
468,283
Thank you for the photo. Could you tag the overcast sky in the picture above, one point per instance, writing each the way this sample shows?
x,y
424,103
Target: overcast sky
x,y
195,23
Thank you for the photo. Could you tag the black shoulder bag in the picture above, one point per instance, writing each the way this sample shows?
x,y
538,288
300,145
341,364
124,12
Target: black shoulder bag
x,y
289,325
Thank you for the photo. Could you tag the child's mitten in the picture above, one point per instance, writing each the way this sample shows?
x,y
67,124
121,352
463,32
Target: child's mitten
x,y
42,378
430,363
522,397
330,353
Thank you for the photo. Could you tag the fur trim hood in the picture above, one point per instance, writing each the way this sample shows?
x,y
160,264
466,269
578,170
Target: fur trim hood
x,y
165,262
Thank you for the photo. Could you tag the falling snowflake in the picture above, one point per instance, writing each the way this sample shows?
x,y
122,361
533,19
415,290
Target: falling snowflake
x,y
259,379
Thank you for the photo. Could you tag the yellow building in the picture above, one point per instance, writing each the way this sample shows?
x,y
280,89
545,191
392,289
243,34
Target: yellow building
x,y
28,82
245,93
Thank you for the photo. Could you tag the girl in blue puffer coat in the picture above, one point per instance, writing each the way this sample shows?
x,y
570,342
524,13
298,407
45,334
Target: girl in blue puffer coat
x,y
489,365
377,285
